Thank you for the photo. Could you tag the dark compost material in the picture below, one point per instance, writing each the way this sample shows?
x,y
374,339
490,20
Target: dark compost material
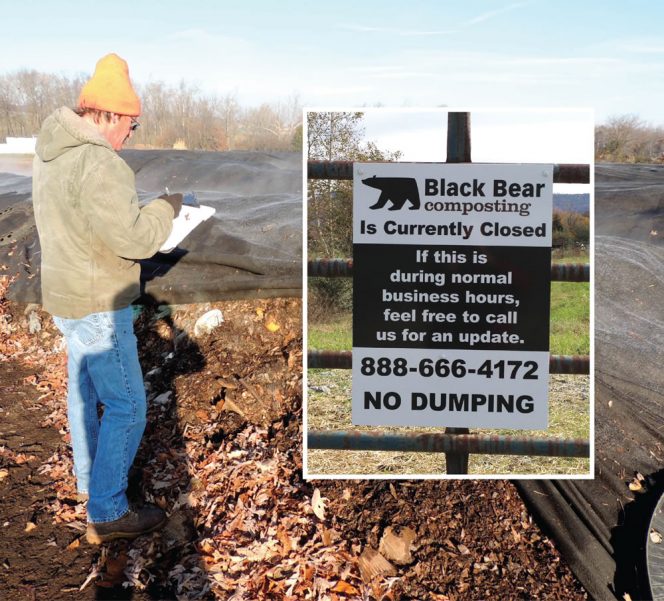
x,y
601,525
251,248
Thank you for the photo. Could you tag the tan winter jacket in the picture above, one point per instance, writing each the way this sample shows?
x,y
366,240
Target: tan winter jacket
x,y
90,226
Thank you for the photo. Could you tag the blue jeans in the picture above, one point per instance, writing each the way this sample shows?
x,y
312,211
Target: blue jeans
x,y
104,369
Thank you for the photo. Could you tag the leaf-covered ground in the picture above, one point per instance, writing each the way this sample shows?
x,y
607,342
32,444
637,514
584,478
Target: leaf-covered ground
x,y
222,455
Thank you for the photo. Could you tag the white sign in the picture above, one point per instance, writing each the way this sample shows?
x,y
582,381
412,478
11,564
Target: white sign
x,y
458,388
451,294
452,204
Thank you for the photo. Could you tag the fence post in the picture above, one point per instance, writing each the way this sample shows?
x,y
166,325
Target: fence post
x,y
458,151
458,138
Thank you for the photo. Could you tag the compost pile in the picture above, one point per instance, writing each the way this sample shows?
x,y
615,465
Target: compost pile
x,y
222,449
222,455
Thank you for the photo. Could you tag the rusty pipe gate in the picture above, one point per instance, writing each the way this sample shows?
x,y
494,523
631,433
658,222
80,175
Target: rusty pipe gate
x,y
456,443
566,173
558,364
340,268
353,440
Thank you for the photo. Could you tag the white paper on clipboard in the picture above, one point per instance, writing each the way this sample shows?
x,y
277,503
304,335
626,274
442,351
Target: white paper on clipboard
x,y
185,222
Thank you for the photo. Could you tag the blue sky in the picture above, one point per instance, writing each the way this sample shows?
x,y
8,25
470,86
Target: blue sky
x,y
608,55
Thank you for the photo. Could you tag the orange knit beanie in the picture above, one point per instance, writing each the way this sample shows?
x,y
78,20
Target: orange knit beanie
x,y
110,89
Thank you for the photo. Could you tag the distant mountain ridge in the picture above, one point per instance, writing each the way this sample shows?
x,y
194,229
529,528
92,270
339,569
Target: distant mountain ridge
x,y
577,203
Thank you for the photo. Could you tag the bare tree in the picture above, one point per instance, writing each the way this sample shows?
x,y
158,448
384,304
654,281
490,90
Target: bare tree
x,y
627,139
336,136
172,115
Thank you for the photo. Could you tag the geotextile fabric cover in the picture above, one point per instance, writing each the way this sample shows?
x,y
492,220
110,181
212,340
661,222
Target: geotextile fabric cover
x,y
250,248
600,526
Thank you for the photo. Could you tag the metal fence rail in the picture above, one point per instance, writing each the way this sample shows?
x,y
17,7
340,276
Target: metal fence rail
x,y
456,443
558,364
355,440
341,268
565,173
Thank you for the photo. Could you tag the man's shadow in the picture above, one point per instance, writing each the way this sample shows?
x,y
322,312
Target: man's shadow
x,y
159,474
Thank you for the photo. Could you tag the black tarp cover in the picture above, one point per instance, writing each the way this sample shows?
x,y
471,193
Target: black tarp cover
x,y
600,525
252,247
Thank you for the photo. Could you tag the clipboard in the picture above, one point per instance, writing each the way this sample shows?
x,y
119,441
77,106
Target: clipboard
x,y
184,224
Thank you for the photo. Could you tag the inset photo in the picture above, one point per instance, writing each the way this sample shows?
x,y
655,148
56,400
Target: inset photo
x,y
448,295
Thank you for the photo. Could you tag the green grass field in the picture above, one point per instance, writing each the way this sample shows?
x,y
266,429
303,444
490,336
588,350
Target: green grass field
x,y
329,407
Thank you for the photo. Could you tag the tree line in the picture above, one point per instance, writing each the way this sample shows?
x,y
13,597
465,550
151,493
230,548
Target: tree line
x,y
172,116
182,117
628,139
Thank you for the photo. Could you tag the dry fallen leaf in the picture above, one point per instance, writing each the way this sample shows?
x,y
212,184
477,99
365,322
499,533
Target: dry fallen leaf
x,y
393,491
159,484
91,576
30,526
22,458
285,540
345,588
272,326
326,536
636,485
397,547
75,544
318,504
3,474
373,565
114,572
308,572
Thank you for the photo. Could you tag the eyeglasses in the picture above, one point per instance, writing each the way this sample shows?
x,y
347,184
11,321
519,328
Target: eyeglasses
x,y
134,125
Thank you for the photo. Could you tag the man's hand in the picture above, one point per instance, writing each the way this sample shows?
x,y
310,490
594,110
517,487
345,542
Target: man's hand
x,y
175,200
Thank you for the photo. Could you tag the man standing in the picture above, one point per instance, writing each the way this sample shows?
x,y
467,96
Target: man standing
x,y
92,232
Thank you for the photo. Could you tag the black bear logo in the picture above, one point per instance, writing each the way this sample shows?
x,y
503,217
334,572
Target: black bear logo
x,y
395,189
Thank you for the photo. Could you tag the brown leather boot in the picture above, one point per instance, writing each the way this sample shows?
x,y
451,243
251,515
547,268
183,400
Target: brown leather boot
x,y
132,524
